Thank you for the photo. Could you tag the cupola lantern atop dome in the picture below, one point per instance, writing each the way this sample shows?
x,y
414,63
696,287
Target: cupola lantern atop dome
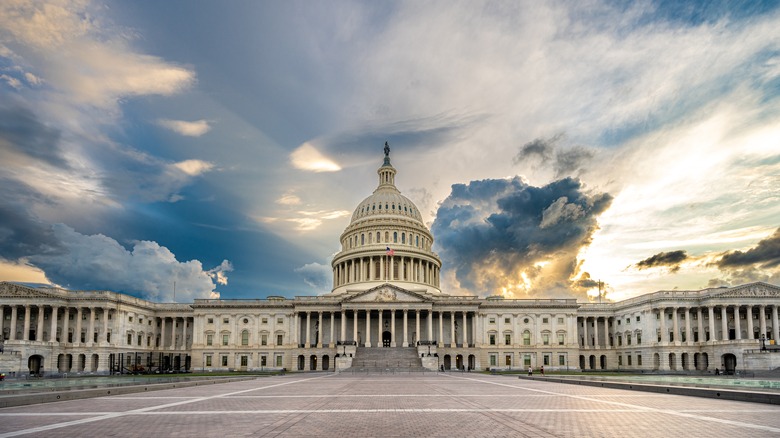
x,y
387,171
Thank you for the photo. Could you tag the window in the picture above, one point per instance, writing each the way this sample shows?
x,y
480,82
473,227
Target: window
x,y
279,360
545,320
561,338
507,321
628,340
244,361
131,318
508,360
546,360
245,337
620,360
525,321
279,339
639,359
225,320
492,320
560,320
208,360
129,339
263,361
527,360
224,361
263,339
280,320
628,320
639,338
561,359
629,359
225,339
140,337
620,340
246,321
265,320
507,339
492,338
209,339
637,319
546,338
526,338
493,360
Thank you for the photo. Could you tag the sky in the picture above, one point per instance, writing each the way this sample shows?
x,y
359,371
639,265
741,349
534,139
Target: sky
x,y
179,150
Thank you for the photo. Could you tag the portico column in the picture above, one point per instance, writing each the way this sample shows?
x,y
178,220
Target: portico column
x,y
331,343
91,335
104,335
173,332
382,275
39,329
343,326
711,314
664,333
596,332
53,329
737,324
65,324
405,343
379,331
700,323
585,335
368,328
724,323
453,341
441,329
354,327
392,327
77,335
762,320
749,316
688,334
465,330
14,316
416,325
676,325
162,333
775,328
319,330
308,330
430,325
26,332
390,270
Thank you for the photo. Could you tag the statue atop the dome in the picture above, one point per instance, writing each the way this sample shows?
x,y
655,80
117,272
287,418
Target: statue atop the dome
x,y
387,154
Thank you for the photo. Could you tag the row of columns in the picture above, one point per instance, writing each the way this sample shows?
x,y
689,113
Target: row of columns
x,y
404,313
92,321
386,268
724,312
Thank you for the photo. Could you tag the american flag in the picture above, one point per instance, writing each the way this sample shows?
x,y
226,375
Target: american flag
x,y
389,251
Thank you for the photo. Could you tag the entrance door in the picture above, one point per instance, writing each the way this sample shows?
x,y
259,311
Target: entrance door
x,y
386,338
35,365
729,363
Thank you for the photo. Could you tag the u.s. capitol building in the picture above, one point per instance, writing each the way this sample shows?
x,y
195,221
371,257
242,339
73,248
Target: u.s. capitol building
x,y
387,310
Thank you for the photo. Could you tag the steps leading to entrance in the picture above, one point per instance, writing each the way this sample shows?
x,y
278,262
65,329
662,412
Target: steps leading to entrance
x,y
381,359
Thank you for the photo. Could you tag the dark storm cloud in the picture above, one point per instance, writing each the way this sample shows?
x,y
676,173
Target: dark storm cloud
x,y
492,229
672,259
765,255
22,132
565,161
22,234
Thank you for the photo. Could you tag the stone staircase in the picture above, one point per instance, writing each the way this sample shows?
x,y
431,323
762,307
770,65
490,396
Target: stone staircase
x,y
396,359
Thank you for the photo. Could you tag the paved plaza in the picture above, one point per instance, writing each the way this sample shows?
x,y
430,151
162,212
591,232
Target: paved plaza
x,y
430,404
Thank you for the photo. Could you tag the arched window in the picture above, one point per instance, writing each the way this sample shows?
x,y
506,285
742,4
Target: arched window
x,y
387,236
393,206
395,236
403,238
362,239
369,237
526,338
245,337
378,237
417,241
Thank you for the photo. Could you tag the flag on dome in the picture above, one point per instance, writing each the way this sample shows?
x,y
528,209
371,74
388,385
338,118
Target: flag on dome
x,y
389,251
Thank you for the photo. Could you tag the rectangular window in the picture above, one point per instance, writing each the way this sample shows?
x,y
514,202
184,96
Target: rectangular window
x,y
209,339
208,360
139,340
527,360
244,361
637,319
546,360
279,339
245,338
560,320
492,320
546,338
507,339
224,361
211,320
225,320
508,360
493,360
620,360
225,339
131,318
639,338
263,361
279,361
265,320
526,338
507,321
629,359
639,360
280,320
263,339
129,339
545,320
561,339
561,359
492,339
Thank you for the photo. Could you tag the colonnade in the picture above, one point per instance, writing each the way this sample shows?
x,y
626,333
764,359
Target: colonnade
x,y
386,268
725,313
318,328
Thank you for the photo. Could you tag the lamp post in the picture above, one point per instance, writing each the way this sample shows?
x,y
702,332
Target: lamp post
x,y
763,342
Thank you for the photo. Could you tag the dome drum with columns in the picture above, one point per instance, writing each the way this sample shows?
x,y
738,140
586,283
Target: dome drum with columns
x,y
387,310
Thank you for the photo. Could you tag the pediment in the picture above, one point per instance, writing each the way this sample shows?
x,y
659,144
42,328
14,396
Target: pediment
x,y
13,290
386,293
758,289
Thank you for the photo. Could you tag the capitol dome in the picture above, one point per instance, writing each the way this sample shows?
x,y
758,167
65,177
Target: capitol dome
x,y
386,242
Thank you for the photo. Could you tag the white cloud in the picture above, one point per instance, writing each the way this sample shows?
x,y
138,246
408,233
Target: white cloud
x,y
306,157
12,81
316,276
190,129
194,167
289,199
148,270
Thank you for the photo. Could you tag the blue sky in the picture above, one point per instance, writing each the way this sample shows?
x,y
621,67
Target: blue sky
x,y
223,146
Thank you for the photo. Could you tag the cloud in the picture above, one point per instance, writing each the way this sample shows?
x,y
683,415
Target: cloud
x,y
306,157
672,259
508,237
565,161
22,134
765,255
190,129
194,167
289,199
317,276
147,270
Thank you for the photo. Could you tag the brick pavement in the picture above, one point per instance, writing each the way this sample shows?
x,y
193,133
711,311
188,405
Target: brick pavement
x,y
349,405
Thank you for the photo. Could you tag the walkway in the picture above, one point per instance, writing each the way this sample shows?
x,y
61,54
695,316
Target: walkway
x,y
349,405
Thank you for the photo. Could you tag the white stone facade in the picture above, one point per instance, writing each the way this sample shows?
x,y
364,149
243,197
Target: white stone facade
x,y
386,294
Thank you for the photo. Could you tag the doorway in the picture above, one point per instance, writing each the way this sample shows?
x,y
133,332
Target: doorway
x,y
386,337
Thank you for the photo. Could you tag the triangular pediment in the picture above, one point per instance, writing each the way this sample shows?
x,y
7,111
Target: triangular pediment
x,y
757,289
13,290
387,293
